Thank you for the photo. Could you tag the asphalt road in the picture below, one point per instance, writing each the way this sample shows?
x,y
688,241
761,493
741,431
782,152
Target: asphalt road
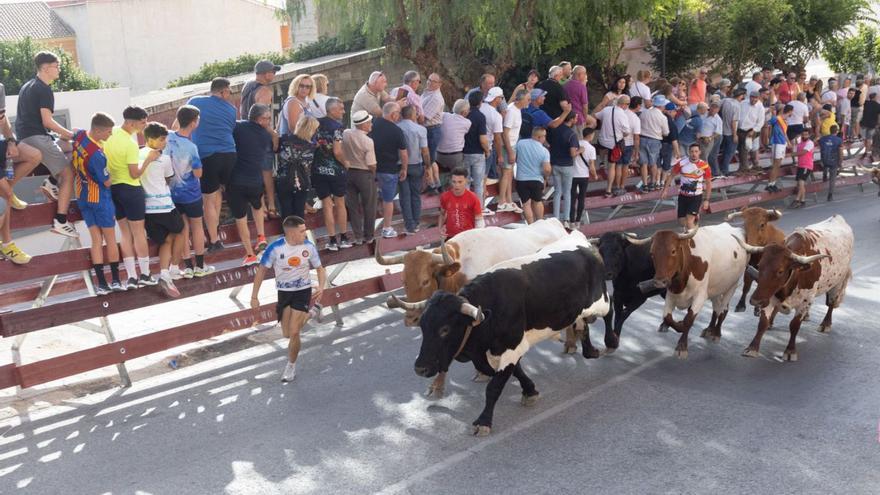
x,y
355,420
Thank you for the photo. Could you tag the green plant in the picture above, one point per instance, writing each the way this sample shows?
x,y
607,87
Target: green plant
x,y
859,52
17,67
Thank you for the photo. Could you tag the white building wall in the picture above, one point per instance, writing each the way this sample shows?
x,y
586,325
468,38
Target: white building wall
x,y
77,107
306,30
144,44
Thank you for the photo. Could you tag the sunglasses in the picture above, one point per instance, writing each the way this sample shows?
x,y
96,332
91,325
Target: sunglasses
x,y
307,86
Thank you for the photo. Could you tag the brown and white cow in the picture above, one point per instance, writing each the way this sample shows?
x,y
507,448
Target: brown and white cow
x,y
759,231
814,260
460,260
702,265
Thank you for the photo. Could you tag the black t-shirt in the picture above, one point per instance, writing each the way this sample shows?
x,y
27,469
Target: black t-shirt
x,y
870,114
673,131
472,144
34,96
388,140
555,94
854,102
562,140
253,145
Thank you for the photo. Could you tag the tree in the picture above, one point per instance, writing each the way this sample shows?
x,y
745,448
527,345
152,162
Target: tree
x,y
685,48
747,32
809,25
17,67
857,53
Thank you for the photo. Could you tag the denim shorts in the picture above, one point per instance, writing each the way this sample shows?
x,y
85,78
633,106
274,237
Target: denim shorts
x,y
649,151
626,157
387,186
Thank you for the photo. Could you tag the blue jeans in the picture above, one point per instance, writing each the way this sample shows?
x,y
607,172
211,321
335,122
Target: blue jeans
x,y
490,165
728,149
666,157
410,196
562,179
433,141
476,167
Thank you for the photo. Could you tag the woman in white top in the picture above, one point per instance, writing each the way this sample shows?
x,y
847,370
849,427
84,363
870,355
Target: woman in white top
x,y
618,87
300,93
640,87
322,86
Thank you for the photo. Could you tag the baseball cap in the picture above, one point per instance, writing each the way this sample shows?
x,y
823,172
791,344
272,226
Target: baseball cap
x,y
494,92
659,101
755,94
725,82
670,106
537,93
264,66
361,117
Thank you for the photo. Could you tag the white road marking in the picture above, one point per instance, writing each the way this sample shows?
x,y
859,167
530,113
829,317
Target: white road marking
x,y
482,444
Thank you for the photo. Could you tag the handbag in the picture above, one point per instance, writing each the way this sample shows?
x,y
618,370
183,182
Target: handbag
x,y
617,151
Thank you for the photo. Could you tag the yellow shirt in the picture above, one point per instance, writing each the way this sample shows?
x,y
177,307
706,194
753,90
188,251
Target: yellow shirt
x,y
825,129
121,149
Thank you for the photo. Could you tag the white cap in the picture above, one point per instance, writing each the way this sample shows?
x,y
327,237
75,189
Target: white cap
x,y
494,92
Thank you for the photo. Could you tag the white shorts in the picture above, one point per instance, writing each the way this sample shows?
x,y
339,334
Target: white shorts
x,y
778,151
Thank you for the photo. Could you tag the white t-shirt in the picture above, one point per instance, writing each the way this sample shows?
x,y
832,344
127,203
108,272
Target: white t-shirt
x,y
829,96
493,122
635,125
317,105
620,127
581,168
640,89
513,122
153,180
292,264
798,112
752,86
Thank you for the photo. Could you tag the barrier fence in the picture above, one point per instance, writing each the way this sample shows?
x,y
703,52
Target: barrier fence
x,y
68,271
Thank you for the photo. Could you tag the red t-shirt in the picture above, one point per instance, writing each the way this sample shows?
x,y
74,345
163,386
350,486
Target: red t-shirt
x,y
460,211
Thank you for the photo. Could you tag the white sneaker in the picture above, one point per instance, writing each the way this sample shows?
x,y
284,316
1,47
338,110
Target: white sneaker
x,y
175,272
514,208
548,193
65,229
491,182
566,225
503,207
389,233
289,372
201,271
50,189
487,212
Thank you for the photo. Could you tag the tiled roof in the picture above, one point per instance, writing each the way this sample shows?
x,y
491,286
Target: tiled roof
x,y
31,19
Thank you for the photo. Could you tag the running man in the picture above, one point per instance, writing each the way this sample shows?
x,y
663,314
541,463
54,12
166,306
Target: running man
x,y
696,176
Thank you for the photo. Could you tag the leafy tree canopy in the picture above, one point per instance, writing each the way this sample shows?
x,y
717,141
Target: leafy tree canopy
x,y
17,67
857,53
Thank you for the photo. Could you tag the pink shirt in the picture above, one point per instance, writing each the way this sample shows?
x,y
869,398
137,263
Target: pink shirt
x,y
577,96
805,160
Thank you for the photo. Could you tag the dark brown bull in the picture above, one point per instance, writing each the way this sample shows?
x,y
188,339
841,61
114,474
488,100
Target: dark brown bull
x,y
759,231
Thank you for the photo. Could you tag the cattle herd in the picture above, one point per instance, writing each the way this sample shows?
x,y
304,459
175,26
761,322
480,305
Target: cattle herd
x,y
488,295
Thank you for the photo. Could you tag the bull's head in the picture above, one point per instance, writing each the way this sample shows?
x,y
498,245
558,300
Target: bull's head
x,y
668,252
756,224
424,272
444,323
612,247
777,271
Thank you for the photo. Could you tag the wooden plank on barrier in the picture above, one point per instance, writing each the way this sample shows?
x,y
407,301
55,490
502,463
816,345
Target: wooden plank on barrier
x,y
125,350
628,223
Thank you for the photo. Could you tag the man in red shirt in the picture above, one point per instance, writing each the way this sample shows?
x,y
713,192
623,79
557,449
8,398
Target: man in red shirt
x,y
460,208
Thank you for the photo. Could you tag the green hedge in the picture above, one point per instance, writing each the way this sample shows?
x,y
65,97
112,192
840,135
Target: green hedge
x,y
245,63
17,67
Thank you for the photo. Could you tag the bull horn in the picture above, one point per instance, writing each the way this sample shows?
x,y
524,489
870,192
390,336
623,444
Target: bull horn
x,y
748,247
733,215
396,302
446,259
387,260
806,260
636,241
777,213
473,311
593,240
752,271
689,234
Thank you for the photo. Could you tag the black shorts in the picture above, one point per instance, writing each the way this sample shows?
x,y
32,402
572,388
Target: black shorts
x,y
326,185
530,190
196,209
160,225
803,174
794,131
216,171
298,300
129,201
240,197
689,205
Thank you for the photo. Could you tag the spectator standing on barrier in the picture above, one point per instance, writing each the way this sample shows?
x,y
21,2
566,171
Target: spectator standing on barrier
x,y
391,161
531,80
254,141
584,170
612,131
371,96
567,71
670,151
576,94
292,257
778,144
804,154
555,94
259,89
755,84
25,158
564,147
360,194
495,131
123,163
293,176
697,89
186,192
640,86
749,131
632,140
788,89
453,128
512,125
709,137
216,146
831,151
695,189
34,120
870,116
299,99
92,185
417,156
163,222
799,117
654,127
460,209
731,108
533,170
407,94
329,174
320,97
433,105
476,144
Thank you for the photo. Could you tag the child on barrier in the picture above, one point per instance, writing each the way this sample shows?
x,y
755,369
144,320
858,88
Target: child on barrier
x,y
804,156
92,188
163,222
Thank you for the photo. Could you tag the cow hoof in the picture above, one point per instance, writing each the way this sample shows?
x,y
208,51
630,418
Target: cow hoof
x,y
825,328
790,356
529,400
480,378
663,328
482,431
706,333
435,393
591,353
610,350
757,311
569,349
739,308
752,353
612,343
681,353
